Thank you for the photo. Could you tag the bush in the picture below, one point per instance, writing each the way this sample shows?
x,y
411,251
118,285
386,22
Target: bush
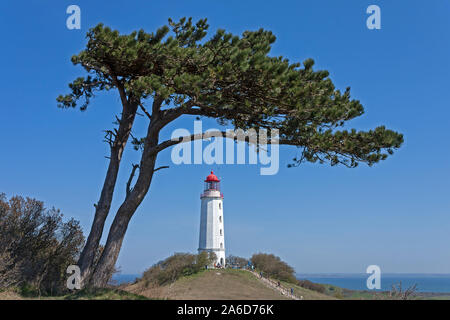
x,y
177,265
273,267
311,286
36,246
235,261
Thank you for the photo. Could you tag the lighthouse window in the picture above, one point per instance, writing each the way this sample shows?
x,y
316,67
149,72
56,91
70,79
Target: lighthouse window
x,y
220,231
220,206
220,218
221,245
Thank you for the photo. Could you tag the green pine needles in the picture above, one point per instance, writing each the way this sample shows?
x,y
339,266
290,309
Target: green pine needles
x,y
235,80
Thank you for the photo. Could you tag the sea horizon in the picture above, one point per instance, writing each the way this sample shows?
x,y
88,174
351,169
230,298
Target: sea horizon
x,y
349,274
426,282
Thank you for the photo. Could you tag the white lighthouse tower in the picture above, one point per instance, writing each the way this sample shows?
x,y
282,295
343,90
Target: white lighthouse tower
x,y
211,220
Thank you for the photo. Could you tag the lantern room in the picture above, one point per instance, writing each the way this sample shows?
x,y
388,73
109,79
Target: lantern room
x,y
212,182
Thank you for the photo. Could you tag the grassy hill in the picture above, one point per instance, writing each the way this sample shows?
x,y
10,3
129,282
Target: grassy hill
x,y
218,284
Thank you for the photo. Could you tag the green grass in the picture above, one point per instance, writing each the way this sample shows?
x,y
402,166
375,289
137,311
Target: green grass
x,y
220,284
440,298
308,294
103,294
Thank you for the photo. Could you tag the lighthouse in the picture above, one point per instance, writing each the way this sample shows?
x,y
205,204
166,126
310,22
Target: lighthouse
x,y
211,220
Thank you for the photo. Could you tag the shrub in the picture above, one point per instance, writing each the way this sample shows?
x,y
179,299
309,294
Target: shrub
x,y
311,286
175,266
273,267
235,261
36,246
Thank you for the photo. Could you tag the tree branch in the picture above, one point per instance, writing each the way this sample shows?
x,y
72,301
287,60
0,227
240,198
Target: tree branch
x,y
110,137
120,87
130,179
198,136
145,111
162,167
205,135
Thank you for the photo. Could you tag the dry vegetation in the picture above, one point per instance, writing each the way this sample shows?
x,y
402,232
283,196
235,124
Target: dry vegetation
x,y
36,246
10,295
221,284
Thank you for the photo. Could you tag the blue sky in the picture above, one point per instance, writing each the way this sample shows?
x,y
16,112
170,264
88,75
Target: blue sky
x,y
317,218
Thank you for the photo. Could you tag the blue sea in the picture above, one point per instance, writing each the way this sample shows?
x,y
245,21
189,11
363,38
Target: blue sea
x,y
125,278
425,282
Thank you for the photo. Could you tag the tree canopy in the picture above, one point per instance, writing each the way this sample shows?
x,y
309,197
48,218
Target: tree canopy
x,y
234,80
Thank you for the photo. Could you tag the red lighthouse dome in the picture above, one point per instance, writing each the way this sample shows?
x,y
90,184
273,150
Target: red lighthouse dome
x,y
212,184
212,178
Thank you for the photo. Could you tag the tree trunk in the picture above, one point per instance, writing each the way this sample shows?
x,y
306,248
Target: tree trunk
x,y
103,206
105,267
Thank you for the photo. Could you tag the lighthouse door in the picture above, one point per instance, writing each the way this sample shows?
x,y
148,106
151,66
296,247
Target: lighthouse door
x,y
221,262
